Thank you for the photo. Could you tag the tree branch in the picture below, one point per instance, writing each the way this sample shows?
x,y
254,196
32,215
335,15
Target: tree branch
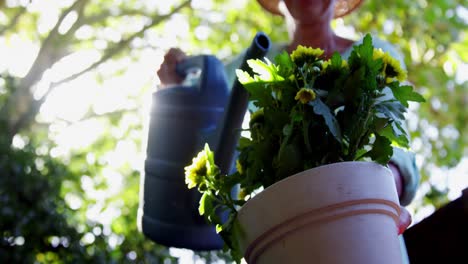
x,y
21,102
112,51
54,32
78,23
43,60
108,53
90,20
91,115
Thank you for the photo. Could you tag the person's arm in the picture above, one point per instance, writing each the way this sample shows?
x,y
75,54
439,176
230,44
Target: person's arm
x,y
404,162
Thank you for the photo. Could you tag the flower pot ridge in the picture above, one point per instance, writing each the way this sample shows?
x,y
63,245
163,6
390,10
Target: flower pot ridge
x,y
344,212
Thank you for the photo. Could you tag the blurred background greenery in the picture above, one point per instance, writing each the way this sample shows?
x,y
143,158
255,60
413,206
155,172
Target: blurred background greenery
x,y
76,78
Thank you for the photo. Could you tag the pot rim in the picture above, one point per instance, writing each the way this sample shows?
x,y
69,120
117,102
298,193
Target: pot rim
x,y
278,184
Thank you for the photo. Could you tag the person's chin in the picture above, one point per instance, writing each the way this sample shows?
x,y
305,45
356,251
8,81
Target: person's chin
x,y
310,18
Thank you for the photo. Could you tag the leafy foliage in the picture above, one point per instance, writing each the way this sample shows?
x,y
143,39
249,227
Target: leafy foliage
x,y
307,119
38,223
432,61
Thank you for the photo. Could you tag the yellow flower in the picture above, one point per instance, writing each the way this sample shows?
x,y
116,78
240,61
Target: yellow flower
x,y
325,64
378,54
239,167
344,64
242,194
303,53
195,172
305,95
391,66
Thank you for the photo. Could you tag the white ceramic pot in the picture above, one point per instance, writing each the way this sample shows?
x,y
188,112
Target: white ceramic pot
x,y
339,213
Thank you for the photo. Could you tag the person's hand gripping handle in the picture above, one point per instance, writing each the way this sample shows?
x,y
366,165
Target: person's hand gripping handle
x,y
167,71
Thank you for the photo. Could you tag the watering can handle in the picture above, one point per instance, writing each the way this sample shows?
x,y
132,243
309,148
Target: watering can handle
x,y
203,74
190,64
191,69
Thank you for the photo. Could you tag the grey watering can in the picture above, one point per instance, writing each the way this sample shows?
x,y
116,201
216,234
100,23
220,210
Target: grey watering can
x,y
183,119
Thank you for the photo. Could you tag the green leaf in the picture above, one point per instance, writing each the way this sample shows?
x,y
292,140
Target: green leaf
x,y
296,116
405,93
396,134
244,142
259,94
381,151
210,158
219,228
353,86
336,60
322,109
233,239
366,49
391,109
362,53
244,77
289,161
206,204
266,72
285,64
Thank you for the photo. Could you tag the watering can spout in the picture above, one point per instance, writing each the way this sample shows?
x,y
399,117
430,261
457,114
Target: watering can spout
x,y
182,119
229,131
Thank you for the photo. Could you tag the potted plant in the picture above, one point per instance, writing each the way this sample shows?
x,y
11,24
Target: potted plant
x,y
313,181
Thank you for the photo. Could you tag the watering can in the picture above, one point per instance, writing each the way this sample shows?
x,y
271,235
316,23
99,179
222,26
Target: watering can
x,y
183,118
